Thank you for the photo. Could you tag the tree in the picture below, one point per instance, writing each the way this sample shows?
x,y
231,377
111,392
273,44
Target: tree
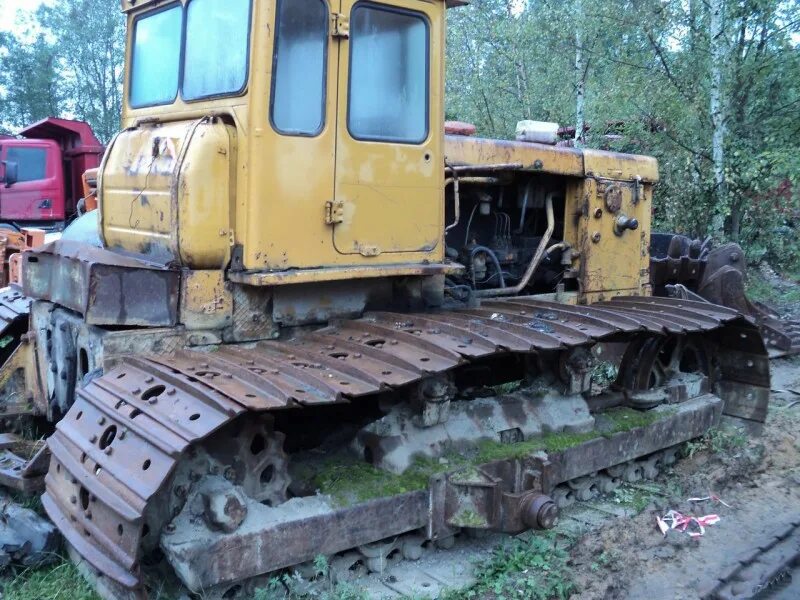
x,y
90,46
28,80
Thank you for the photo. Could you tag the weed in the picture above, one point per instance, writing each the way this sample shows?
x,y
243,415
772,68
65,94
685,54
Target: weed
x,y
295,587
531,568
604,373
635,498
717,441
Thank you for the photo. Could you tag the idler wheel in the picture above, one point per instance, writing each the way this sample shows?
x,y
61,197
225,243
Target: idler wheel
x,y
539,511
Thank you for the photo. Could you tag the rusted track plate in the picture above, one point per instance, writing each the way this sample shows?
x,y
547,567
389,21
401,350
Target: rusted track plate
x,y
121,440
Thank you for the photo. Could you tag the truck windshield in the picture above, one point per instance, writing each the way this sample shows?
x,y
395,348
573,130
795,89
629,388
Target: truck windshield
x,y
207,56
31,163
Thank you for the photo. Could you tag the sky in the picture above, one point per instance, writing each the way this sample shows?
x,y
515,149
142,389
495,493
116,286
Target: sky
x,y
9,9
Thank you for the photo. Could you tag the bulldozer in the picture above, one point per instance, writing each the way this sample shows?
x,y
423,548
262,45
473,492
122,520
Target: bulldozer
x,y
306,322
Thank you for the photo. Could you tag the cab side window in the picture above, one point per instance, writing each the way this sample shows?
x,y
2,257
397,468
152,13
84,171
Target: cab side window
x,y
388,75
299,67
31,163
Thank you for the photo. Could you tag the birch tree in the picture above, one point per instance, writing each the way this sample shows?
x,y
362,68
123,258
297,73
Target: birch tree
x,y
718,112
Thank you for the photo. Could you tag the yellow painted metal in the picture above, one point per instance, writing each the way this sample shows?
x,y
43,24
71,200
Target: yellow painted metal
x,y
462,150
167,192
207,182
277,186
610,262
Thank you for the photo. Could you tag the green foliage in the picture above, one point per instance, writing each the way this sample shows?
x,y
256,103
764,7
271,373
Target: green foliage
x,y
67,60
531,567
718,441
59,582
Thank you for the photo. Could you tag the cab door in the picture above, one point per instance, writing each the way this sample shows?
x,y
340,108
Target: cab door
x,y
389,176
38,193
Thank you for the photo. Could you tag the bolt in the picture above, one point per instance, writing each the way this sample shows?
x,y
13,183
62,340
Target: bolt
x,y
73,500
169,528
93,439
108,451
153,401
88,514
598,213
171,391
230,474
101,421
136,391
148,380
596,237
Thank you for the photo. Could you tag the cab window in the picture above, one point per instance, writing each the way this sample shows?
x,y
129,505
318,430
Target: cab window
x,y
156,57
389,82
299,73
217,40
31,163
204,57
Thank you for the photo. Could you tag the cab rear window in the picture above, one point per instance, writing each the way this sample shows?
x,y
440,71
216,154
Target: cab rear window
x,y
201,50
156,57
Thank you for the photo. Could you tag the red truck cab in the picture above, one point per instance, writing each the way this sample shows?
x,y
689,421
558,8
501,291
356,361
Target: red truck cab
x,y
40,172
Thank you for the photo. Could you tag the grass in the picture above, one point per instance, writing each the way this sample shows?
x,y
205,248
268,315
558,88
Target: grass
x,y
530,567
61,581
349,482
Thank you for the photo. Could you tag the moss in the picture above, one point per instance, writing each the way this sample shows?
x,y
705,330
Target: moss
x,y
348,481
468,518
625,419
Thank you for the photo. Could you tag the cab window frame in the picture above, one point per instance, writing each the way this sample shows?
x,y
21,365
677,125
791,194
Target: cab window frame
x,y
325,74
182,58
428,88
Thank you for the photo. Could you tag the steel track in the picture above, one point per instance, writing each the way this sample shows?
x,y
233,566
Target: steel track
x,y
127,430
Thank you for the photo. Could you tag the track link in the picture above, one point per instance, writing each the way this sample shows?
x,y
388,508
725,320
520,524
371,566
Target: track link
x,y
751,573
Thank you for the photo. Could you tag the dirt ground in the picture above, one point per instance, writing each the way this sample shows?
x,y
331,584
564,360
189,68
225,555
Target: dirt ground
x,y
758,477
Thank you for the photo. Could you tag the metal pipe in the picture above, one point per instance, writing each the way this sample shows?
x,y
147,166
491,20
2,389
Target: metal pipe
x,y
484,168
535,261
456,201
525,198
456,181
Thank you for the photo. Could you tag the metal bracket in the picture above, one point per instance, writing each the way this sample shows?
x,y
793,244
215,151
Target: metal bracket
x,y
340,26
334,212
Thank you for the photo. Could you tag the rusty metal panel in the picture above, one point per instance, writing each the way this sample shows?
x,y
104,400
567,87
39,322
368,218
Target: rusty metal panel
x,y
105,287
